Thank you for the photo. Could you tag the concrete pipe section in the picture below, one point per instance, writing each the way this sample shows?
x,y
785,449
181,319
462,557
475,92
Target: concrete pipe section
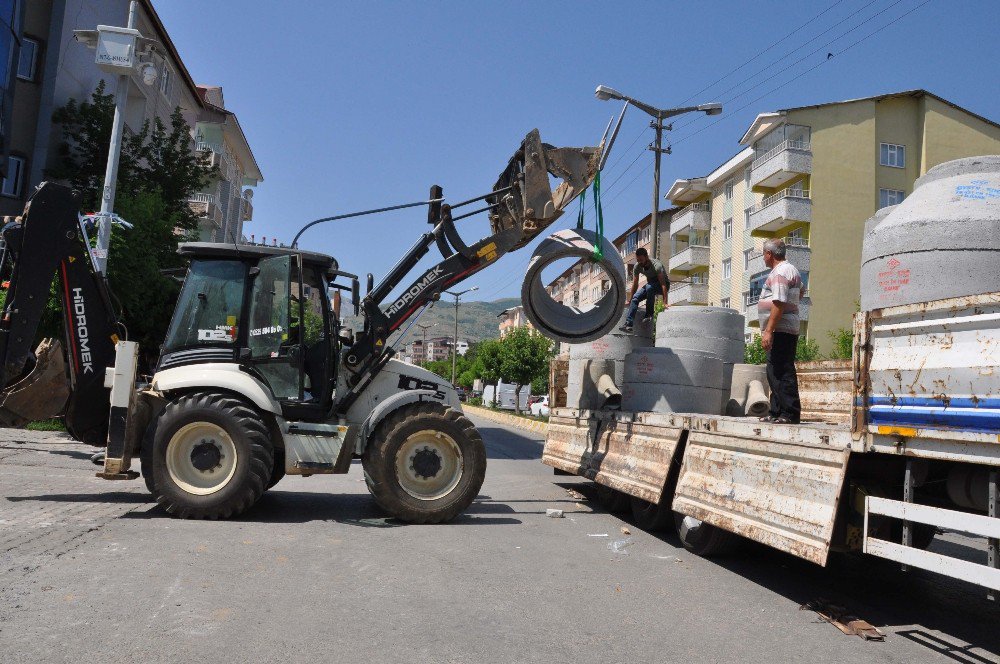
x,y
950,223
748,393
660,380
558,321
592,384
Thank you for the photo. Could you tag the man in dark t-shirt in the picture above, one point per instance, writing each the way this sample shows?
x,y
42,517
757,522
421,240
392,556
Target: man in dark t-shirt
x,y
656,284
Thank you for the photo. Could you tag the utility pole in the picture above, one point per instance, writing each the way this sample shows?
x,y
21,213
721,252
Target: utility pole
x,y
605,93
114,152
454,343
423,346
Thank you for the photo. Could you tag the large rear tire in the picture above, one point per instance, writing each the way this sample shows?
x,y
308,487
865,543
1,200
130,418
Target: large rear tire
x,y
425,463
704,539
651,517
209,457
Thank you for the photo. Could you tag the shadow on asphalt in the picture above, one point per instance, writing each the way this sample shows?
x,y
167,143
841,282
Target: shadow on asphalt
x,y
351,509
951,618
108,497
505,444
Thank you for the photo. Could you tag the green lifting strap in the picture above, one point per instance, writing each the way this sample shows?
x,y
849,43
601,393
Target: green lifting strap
x,y
599,244
579,216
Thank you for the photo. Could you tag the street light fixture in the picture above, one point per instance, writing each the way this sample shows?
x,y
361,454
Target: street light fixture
x,y
604,93
454,343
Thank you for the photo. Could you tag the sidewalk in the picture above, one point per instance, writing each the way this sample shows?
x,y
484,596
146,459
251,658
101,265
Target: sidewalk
x,y
508,419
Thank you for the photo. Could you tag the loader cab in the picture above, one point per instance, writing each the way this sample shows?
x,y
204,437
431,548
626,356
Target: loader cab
x,y
266,309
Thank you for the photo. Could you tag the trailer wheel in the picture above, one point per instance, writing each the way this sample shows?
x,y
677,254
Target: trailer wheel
x,y
210,457
424,463
704,539
614,501
651,517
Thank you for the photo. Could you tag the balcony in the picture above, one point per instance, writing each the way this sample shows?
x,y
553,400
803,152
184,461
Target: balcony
x,y
204,206
797,252
805,303
780,210
246,209
694,217
782,163
694,256
687,294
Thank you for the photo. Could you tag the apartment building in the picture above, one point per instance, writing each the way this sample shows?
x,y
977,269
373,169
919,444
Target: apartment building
x,y
811,175
512,318
438,348
50,67
584,282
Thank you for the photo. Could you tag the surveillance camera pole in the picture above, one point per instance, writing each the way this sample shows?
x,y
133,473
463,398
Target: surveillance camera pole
x,y
111,174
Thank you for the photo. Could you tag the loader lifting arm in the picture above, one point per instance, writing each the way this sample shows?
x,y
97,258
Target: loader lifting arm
x,y
49,241
520,206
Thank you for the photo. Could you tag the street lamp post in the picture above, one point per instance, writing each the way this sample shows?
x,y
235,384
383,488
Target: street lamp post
x,y
454,342
605,93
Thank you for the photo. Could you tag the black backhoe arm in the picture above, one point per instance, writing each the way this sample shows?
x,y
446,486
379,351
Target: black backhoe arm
x,y
48,241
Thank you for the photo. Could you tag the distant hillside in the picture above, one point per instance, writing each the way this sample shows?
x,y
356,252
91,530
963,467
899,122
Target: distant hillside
x,y
476,320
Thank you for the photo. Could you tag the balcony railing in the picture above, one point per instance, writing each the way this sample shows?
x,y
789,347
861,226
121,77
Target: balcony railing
x,y
690,257
202,198
692,293
774,198
793,241
780,147
696,216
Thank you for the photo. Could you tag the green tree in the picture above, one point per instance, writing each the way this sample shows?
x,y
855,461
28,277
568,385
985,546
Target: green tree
x,y
157,173
524,356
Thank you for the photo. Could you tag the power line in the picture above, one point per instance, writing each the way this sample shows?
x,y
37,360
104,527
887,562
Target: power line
x,y
733,71
800,60
807,71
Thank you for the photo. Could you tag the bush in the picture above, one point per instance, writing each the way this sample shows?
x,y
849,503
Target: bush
x,y
843,344
806,351
474,401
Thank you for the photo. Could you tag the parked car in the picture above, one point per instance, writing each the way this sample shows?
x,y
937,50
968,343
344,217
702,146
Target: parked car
x,y
462,395
541,407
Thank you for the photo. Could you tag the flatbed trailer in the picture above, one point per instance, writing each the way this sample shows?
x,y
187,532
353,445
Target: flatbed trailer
x,y
921,452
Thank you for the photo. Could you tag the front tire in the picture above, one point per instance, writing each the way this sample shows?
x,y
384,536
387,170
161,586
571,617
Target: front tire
x,y
425,463
209,457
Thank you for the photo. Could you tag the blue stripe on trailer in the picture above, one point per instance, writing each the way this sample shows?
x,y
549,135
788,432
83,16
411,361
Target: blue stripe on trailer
x,y
966,419
934,402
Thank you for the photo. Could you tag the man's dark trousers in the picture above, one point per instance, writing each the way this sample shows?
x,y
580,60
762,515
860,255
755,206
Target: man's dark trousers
x,y
648,293
781,377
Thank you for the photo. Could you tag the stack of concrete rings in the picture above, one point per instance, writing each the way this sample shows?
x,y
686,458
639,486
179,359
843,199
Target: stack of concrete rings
x,y
589,361
660,380
561,322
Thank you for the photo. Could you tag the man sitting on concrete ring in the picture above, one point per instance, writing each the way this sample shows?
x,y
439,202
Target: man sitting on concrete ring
x,y
656,284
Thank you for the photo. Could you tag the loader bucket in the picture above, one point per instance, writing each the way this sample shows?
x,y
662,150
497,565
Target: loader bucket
x,y
531,205
42,393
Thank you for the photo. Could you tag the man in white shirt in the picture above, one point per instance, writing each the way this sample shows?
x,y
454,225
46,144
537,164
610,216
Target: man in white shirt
x,y
778,313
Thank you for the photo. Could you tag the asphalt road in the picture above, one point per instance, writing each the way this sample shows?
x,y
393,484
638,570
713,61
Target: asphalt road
x,y
92,571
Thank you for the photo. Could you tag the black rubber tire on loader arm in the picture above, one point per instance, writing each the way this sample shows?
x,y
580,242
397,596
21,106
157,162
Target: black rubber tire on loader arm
x,y
209,456
424,463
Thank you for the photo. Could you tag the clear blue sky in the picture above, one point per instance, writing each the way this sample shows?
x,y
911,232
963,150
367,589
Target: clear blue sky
x,y
357,105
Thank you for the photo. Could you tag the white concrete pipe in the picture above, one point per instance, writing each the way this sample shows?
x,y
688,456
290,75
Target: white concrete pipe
x,y
951,222
757,403
697,321
742,375
668,398
586,388
610,394
558,321
663,365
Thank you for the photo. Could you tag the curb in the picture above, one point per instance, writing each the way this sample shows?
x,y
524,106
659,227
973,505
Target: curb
x,y
505,418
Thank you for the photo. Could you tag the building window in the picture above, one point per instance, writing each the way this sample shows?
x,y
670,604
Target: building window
x,y
730,184
699,277
27,64
746,176
727,228
747,257
165,80
893,155
12,184
727,268
644,235
887,197
746,216
726,302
